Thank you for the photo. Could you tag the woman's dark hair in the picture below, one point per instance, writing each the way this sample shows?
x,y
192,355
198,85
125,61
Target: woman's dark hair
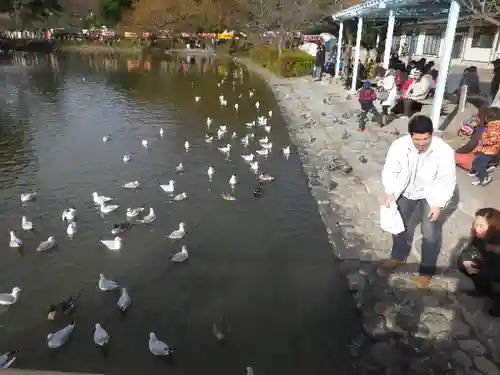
x,y
472,69
493,114
492,217
420,125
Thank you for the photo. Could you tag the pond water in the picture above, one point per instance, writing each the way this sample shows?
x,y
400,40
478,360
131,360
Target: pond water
x,y
260,268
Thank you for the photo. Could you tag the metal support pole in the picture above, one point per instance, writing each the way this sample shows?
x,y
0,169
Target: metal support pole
x,y
388,39
356,55
339,49
444,63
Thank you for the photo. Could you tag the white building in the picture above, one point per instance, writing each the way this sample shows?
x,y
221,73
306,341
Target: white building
x,y
475,43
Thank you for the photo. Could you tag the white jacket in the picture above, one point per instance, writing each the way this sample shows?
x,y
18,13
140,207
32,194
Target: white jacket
x,y
438,170
389,85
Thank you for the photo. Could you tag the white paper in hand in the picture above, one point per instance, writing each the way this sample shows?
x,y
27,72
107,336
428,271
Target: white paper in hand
x,y
391,220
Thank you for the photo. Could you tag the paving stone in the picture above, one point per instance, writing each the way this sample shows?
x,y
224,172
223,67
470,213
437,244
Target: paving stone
x,y
486,366
462,358
459,329
473,347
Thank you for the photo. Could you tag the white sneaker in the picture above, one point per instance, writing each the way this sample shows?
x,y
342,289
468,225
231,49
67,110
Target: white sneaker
x,y
485,182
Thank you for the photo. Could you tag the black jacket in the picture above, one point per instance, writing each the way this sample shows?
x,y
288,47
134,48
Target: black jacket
x,y
320,56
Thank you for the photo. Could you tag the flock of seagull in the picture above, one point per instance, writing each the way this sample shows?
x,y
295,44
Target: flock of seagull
x,y
105,206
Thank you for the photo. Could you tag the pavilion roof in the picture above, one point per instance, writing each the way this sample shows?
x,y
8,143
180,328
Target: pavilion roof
x,y
420,10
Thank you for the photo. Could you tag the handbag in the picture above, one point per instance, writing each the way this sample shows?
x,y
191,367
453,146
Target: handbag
x,y
472,254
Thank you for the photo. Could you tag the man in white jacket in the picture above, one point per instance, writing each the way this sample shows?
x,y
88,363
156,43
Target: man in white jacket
x,y
419,175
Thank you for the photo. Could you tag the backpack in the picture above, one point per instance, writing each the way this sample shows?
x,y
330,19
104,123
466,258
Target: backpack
x,y
468,126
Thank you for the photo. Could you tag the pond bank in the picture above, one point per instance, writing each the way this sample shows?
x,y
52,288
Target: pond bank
x,y
407,330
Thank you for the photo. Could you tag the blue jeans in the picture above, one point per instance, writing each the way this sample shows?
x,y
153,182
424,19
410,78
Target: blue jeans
x,y
430,235
480,165
317,72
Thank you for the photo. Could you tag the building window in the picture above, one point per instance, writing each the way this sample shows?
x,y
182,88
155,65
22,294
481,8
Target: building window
x,y
432,42
483,37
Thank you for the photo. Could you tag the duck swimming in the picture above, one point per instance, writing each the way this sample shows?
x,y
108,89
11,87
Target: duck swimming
x,y
64,307
259,190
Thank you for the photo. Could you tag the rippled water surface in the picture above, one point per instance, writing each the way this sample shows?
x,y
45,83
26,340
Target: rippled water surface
x,y
261,265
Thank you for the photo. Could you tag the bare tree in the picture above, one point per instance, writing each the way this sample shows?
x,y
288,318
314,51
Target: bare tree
x,y
488,10
278,19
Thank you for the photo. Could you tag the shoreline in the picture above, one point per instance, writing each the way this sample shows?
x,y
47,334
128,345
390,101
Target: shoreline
x,y
400,322
89,48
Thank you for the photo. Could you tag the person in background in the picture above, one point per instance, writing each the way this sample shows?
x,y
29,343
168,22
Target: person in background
x,y
418,90
470,78
319,61
389,94
419,175
480,260
366,99
487,149
495,81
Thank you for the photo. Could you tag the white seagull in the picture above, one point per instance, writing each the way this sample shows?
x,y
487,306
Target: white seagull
x,y
170,188
263,152
115,244
208,138
250,93
186,145
209,122
225,149
261,120
148,219
210,171
7,299
61,337
257,105
25,224
105,138
157,347
69,214
267,128
250,124
71,230
106,284
178,233
101,337
179,168
248,157
133,212
14,240
232,180
161,132
145,143
131,185
127,158
106,209
254,166
264,140
286,150
99,199
181,256
180,197
267,146
28,197
197,99
270,114
236,106
46,245
124,301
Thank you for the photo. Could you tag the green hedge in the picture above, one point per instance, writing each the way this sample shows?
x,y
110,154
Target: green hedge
x,y
291,63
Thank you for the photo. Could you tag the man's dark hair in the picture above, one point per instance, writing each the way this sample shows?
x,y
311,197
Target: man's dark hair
x,y
420,124
493,114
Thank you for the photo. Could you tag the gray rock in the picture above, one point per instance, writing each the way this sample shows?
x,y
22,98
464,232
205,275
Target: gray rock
x,y
473,347
384,354
357,280
485,365
459,329
462,358
436,323
374,325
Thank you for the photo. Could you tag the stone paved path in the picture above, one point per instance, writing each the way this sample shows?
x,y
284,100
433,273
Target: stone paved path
x,y
406,330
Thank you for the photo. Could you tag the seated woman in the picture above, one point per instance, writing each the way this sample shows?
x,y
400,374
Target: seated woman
x,y
480,260
417,90
479,160
389,94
